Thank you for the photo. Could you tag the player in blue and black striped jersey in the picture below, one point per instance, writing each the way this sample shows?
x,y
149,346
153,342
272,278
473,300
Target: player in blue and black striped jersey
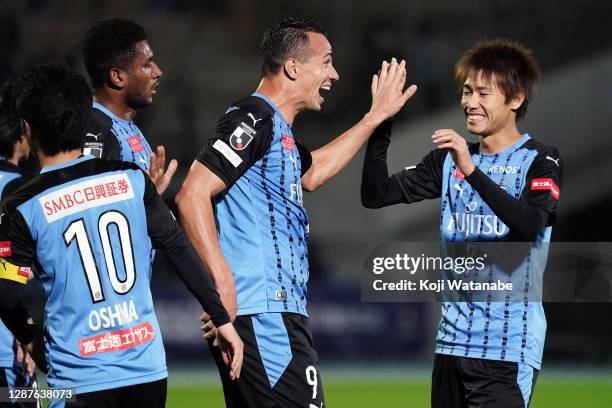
x,y
16,366
124,76
88,226
504,188
255,242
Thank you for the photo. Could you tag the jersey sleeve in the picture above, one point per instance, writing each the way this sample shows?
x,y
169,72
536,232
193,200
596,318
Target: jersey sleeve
x,y
241,139
99,139
378,189
536,208
17,252
168,236
305,157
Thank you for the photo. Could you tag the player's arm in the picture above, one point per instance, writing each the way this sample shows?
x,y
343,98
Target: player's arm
x,y
525,216
218,166
379,189
388,97
535,209
17,248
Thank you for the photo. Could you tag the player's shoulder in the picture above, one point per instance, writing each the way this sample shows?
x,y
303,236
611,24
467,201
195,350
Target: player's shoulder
x,y
542,149
253,109
99,123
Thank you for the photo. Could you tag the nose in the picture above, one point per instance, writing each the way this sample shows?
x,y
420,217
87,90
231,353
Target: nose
x,y
333,74
157,72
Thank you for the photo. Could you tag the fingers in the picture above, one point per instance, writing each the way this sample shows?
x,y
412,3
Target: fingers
x,y
400,72
205,317
383,73
171,169
408,93
374,85
236,360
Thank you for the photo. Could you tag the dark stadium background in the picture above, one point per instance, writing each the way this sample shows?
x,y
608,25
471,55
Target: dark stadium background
x,y
208,53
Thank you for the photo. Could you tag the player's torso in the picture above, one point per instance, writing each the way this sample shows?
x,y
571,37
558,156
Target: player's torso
x,y
93,252
263,229
493,330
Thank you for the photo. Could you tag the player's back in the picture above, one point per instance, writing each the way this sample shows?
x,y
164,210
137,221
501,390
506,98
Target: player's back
x,y
87,225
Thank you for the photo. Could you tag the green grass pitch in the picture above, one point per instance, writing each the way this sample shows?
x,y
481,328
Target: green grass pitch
x,y
549,393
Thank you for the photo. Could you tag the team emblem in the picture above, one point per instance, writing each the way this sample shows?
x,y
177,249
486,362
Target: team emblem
x,y
288,143
240,138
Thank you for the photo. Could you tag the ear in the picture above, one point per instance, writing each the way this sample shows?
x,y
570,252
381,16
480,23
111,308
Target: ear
x,y
517,101
291,68
117,78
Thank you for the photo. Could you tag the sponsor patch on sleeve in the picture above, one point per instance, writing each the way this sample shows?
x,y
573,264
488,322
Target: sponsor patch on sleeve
x,y
546,184
227,152
14,273
5,249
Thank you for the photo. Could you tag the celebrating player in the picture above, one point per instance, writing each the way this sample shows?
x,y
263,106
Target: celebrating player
x,y
119,61
255,171
487,353
89,226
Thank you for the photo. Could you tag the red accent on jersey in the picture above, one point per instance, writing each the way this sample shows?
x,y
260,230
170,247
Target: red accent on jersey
x,y
288,143
546,184
458,174
135,144
5,248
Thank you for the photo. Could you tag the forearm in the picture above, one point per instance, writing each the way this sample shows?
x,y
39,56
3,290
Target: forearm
x,y
198,222
330,159
522,218
13,311
377,188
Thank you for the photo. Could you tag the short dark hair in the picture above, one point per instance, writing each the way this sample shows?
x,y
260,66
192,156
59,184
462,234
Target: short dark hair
x,y
510,64
286,39
56,102
110,43
10,129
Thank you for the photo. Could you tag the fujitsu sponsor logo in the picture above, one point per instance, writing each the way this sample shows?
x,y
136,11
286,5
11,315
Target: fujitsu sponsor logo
x,y
87,194
471,223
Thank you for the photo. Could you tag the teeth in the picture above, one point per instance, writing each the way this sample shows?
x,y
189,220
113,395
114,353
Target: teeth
x,y
326,87
475,117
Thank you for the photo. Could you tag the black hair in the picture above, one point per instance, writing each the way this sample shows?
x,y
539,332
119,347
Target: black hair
x,y
110,43
10,129
288,38
56,103
509,63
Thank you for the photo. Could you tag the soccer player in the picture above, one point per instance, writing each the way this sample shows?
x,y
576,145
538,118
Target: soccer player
x,y
488,354
119,61
88,225
16,367
255,170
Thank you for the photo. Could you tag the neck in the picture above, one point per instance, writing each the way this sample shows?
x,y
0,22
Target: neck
x,y
60,158
284,97
500,140
113,101
14,159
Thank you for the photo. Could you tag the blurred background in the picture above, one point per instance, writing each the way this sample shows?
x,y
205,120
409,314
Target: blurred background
x,y
208,52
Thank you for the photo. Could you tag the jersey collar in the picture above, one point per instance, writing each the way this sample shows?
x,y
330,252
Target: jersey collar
x,y
79,159
272,104
109,113
510,148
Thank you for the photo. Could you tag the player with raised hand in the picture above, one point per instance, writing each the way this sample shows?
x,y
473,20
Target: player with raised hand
x,y
488,354
253,171
89,225
124,76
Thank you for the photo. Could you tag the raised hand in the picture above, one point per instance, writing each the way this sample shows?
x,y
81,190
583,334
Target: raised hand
x,y
160,176
388,94
449,139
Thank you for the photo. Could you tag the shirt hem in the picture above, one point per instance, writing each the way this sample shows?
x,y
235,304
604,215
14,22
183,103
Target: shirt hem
x,y
107,385
477,353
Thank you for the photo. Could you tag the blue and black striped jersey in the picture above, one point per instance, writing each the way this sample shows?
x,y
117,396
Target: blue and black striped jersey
x,y
511,196
110,137
262,224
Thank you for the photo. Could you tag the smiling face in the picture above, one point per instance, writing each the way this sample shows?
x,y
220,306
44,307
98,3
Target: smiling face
x,y
485,106
144,76
316,72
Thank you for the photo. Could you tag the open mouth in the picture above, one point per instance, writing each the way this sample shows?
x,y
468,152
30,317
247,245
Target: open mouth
x,y
326,88
475,117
